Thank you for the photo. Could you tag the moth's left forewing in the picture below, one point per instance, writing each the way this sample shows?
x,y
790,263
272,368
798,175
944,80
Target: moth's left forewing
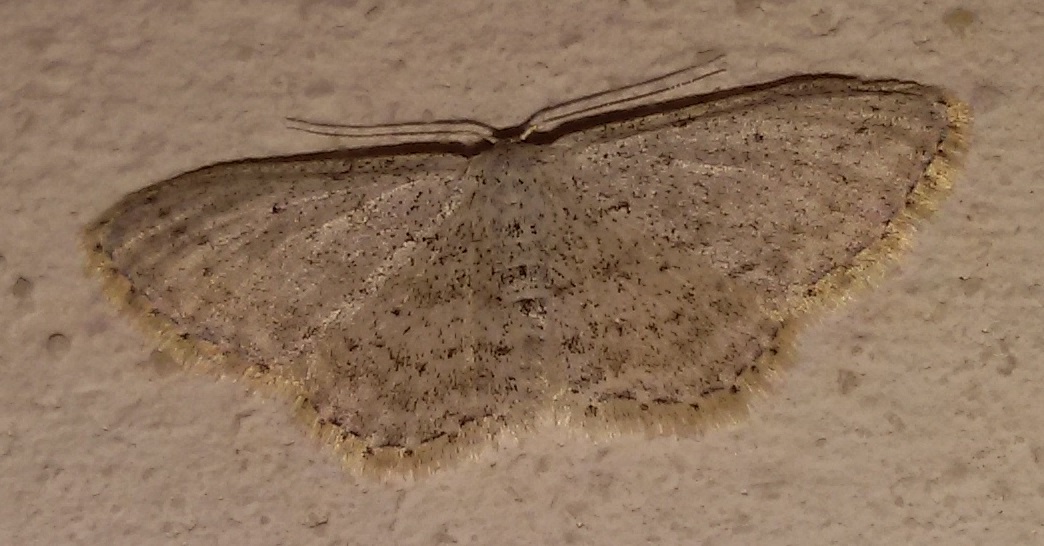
x,y
247,268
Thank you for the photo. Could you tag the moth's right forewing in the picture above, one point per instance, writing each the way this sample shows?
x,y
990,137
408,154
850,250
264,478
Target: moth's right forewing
x,y
776,185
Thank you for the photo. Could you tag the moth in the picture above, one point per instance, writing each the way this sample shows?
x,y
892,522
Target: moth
x,y
639,268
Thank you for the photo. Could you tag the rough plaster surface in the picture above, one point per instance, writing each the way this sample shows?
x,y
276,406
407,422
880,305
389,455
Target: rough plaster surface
x,y
913,416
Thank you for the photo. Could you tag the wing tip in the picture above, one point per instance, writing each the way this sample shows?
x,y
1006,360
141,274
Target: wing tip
x,y
936,182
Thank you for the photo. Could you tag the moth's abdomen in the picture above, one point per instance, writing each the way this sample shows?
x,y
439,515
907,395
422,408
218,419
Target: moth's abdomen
x,y
520,267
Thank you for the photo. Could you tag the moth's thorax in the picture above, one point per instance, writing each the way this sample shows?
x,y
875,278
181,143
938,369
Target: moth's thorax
x,y
512,209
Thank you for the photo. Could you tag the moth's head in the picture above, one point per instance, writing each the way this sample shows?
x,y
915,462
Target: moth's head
x,y
509,155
